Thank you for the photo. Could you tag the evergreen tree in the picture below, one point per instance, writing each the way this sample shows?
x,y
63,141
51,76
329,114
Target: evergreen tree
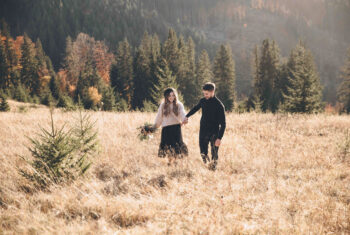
x,y
165,80
257,104
146,43
65,101
122,72
275,98
182,66
344,88
142,71
49,66
203,73
86,144
55,87
121,104
88,79
114,75
61,155
40,54
224,76
42,68
283,81
189,91
21,93
12,60
257,82
266,76
185,76
191,54
149,106
47,99
4,106
155,57
304,91
155,49
4,67
108,99
69,63
170,51
29,72
44,62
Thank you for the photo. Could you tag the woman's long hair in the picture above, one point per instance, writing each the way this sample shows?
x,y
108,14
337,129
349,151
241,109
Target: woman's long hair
x,y
166,107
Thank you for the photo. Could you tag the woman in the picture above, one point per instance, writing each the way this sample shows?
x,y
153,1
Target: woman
x,y
170,116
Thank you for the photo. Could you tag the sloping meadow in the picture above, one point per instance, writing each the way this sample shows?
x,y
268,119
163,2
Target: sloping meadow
x,y
286,174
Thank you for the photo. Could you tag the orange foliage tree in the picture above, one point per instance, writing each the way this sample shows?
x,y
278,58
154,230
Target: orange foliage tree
x,y
85,51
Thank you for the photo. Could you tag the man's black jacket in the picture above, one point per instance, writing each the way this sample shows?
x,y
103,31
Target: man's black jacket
x,y
213,116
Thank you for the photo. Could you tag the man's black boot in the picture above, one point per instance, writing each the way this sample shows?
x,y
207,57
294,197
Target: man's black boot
x,y
213,164
205,158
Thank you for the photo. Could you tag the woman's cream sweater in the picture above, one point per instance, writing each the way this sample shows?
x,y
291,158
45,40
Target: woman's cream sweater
x,y
170,119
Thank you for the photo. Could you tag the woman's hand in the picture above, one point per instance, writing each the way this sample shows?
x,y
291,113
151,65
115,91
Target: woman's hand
x,y
185,121
217,142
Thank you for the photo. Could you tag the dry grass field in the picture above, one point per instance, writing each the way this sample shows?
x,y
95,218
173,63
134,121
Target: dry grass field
x,y
277,174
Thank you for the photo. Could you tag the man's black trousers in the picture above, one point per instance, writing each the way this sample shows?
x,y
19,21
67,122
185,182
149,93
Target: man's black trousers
x,y
206,137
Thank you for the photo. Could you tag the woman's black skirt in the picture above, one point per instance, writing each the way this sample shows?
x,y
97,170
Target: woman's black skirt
x,y
171,143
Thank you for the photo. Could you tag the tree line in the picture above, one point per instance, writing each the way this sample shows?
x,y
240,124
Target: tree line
x,y
134,78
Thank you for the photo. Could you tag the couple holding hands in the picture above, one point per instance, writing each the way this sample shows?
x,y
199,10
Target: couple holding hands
x,y
171,116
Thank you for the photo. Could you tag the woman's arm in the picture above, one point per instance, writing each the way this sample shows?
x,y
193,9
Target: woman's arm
x,y
182,113
159,117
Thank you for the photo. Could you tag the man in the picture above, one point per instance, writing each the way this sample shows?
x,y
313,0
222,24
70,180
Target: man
x,y
212,124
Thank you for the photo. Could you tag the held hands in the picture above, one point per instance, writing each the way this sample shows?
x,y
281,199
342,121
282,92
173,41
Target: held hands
x,y
185,121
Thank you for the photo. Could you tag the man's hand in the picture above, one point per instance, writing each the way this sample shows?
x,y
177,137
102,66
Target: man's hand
x,y
185,121
217,142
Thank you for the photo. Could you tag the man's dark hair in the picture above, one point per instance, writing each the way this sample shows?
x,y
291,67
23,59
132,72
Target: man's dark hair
x,y
209,86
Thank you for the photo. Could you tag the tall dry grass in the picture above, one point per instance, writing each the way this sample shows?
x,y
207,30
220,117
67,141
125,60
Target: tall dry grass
x,y
277,174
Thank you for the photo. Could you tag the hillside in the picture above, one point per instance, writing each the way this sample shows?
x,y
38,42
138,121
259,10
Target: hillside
x,y
284,174
323,25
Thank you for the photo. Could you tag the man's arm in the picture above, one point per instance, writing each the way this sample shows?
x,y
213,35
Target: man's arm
x,y
222,121
194,109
